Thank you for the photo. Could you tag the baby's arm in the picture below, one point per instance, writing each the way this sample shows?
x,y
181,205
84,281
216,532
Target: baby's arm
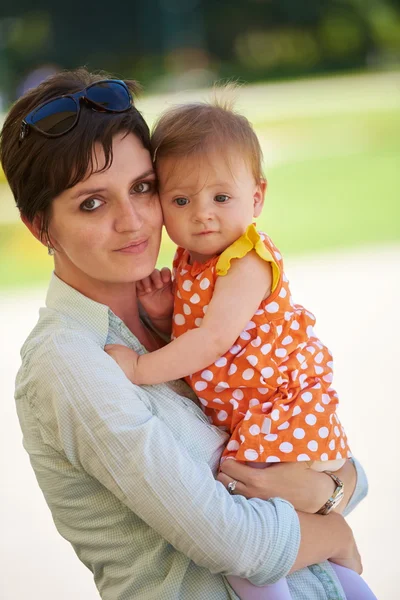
x,y
236,298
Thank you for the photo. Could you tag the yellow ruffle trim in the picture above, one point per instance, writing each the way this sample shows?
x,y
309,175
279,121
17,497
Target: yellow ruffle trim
x,y
250,240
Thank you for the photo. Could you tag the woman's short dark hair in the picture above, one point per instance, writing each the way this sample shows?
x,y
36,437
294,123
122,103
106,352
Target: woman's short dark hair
x,y
40,168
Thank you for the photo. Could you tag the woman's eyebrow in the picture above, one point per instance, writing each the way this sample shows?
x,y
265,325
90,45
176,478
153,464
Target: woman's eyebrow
x,y
97,190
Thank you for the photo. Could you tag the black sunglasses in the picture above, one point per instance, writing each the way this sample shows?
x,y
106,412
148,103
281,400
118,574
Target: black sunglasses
x,y
59,115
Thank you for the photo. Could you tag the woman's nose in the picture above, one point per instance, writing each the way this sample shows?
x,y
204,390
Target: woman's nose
x,y
127,217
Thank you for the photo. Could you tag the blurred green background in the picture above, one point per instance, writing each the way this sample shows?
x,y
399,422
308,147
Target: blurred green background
x,y
321,86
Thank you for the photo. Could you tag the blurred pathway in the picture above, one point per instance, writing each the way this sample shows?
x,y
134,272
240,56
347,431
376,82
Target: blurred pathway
x,y
356,299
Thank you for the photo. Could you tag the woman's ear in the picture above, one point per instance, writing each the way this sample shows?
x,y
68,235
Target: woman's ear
x,y
35,227
259,196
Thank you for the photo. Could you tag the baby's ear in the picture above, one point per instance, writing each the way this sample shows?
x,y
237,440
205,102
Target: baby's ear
x,y
259,196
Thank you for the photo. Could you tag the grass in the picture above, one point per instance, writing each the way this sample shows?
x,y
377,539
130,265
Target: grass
x,y
333,183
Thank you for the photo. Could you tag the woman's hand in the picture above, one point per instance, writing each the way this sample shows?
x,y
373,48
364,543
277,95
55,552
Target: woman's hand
x,y
125,357
156,296
306,489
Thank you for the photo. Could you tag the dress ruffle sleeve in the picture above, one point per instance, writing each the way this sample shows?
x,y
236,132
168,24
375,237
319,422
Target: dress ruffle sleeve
x,y
250,240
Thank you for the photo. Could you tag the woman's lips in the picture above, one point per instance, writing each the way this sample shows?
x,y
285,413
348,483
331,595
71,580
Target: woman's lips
x,y
134,247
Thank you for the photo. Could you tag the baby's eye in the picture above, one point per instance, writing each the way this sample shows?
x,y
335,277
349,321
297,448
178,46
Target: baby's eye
x,y
90,204
221,198
142,187
181,201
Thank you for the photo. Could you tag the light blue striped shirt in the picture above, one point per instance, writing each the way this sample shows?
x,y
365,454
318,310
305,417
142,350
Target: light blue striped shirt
x,y
128,471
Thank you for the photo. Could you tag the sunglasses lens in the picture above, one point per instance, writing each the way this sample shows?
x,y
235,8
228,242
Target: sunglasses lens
x,y
55,117
110,95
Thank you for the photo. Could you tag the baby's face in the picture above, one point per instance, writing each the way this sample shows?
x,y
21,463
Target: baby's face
x,y
208,202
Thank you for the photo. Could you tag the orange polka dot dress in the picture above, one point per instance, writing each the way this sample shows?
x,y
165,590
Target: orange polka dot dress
x,y
272,389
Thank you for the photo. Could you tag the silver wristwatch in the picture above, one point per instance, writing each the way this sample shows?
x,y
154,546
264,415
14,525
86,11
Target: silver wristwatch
x,y
336,497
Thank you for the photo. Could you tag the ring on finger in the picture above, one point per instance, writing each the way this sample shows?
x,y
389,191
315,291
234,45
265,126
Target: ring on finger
x,y
232,486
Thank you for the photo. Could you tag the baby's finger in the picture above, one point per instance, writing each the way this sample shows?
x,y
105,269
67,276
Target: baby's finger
x,y
166,274
156,279
147,284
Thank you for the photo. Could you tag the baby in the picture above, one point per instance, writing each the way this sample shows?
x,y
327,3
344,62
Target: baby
x,y
247,350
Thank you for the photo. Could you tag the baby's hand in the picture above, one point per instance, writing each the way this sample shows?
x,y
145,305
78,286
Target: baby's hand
x,y
125,357
155,294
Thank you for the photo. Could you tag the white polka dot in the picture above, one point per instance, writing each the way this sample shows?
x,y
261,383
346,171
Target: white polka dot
x,y
217,401
254,430
282,293
187,285
232,369
179,319
278,330
203,401
280,352
198,321
318,359
311,419
266,406
222,415
259,311
296,411
256,342
245,336
242,438
300,357
343,445
312,445
234,403
262,391
299,433
253,360
318,370
204,283
306,396
328,378
248,415
242,352
265,328
272,307
221,386
332,445
238,394
248,374
200,385
205,308
284,425
250,455
179,295
235,349
338,455
303,457
310,331
288,315
271,437
277,255
325,399
186,309
207,375
311,349
287,340
285,407
233,445
323,432
267,372
324,456
275,414
254,402
294,374
221,362
250,325
295,325
195,299
336,430
265,349
273,459
303,381
286,447
319,408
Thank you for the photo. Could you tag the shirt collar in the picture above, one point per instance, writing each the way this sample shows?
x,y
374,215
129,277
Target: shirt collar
x,y
95,317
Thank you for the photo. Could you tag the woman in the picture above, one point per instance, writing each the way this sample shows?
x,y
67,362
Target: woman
x,y
126,471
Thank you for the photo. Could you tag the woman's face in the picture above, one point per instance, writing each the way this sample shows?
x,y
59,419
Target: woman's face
x,y
106,230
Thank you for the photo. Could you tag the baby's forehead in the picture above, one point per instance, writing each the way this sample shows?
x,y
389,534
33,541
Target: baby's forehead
x,y
209,169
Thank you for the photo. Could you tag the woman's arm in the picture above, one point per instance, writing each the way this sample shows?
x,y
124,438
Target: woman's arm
x,y
105,427
200,347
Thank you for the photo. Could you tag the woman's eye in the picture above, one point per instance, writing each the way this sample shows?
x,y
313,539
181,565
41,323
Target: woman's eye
x,y
91,204
221,198
181,201
142,187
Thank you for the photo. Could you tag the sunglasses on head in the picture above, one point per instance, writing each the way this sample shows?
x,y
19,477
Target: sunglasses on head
x,y
59,115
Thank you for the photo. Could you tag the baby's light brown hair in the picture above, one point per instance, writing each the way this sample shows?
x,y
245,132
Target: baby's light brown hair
x,y
198,128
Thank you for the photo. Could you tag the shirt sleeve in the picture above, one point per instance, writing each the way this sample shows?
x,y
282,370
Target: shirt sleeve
x,y
105,426
360,491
